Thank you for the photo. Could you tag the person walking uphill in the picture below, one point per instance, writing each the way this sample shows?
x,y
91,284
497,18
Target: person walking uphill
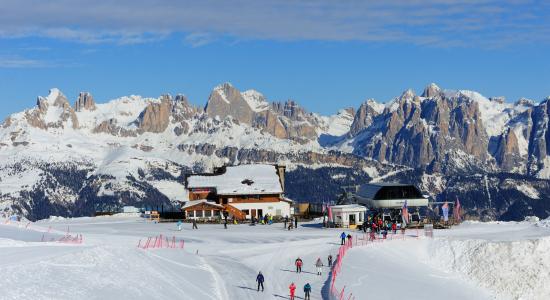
x,y
343,237
298,264
307,290
195,224
319,265
330,260
292,289
260,281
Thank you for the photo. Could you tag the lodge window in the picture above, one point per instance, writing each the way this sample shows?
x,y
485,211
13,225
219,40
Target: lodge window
x,y
216,213
198,213
246,211
208,213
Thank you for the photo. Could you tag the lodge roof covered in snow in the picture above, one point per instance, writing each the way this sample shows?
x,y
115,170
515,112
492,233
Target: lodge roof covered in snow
x,y
240,180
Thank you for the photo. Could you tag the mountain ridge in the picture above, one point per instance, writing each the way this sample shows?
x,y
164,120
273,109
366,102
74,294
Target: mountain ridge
x,y
131,148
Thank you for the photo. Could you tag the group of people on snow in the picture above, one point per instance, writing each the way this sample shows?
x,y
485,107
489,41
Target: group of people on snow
x,y
343,238
299,263
290,221
377,226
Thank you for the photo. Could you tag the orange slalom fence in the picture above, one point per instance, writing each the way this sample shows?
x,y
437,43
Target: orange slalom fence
x,y
160,242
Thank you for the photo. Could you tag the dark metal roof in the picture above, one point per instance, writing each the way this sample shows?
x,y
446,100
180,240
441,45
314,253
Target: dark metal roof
x,y
368,191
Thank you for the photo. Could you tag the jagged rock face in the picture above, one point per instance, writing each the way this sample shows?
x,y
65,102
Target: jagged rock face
x,y
56,100
156,116
288,120
363,117
225,101
183,110
426,133
111,127
431,91
85,101
507,154
539,137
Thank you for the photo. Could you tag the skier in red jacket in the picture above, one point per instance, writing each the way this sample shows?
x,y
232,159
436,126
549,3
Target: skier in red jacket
x,y
292,289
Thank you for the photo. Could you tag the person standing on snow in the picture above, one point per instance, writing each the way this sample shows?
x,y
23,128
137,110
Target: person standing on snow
x,y
225,224
307,290
319,265
298,264
349,239
296,222
329,260
195,224
286,220
292,289
260,281
343,237
179,225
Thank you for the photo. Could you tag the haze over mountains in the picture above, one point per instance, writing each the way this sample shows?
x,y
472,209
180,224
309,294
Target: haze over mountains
x,y
69,159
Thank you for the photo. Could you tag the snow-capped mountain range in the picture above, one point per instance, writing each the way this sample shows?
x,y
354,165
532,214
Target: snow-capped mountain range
x,y
71,159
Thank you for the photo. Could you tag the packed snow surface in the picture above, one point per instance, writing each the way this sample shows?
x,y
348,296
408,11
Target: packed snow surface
x,y
470,261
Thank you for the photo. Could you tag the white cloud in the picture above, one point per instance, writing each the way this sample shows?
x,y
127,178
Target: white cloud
x,y
427,22
10,62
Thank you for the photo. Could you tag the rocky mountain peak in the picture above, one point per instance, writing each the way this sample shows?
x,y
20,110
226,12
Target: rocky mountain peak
x,y
255,100
156,116
54,98
225,100
364,116
407,95
526,102
431,91
85,101
180,98
498,99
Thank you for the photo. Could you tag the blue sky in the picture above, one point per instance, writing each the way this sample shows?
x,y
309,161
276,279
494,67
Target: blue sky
x,y
324,54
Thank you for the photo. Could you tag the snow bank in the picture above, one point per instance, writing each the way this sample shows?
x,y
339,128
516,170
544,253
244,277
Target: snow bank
x,y
512,269
544,223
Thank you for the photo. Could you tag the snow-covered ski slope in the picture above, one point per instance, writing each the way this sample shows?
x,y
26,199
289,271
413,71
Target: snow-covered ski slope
x,y
471,261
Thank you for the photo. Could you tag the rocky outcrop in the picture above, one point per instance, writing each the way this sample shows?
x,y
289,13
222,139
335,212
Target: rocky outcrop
x,y
363,117
111,127
433,133
57,101
156,116
507,154
225,100
85,101
289,120
432,91
539,136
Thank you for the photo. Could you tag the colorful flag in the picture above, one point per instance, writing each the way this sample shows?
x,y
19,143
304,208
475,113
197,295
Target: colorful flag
x,y
445,210
456,211
405,213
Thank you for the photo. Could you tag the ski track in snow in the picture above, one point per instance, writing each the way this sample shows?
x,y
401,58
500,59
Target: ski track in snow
x,y
223,264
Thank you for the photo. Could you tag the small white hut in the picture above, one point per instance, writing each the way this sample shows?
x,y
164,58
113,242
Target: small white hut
x,y
349,215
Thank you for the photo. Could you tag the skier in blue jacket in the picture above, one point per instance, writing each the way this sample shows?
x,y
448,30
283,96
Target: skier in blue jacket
x,y
307,290
343,237
260,280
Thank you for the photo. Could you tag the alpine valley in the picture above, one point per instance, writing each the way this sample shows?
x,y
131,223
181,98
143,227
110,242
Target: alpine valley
x,y
65,159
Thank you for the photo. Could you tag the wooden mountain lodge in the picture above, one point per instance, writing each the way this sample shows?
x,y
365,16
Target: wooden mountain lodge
x,y
243,192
